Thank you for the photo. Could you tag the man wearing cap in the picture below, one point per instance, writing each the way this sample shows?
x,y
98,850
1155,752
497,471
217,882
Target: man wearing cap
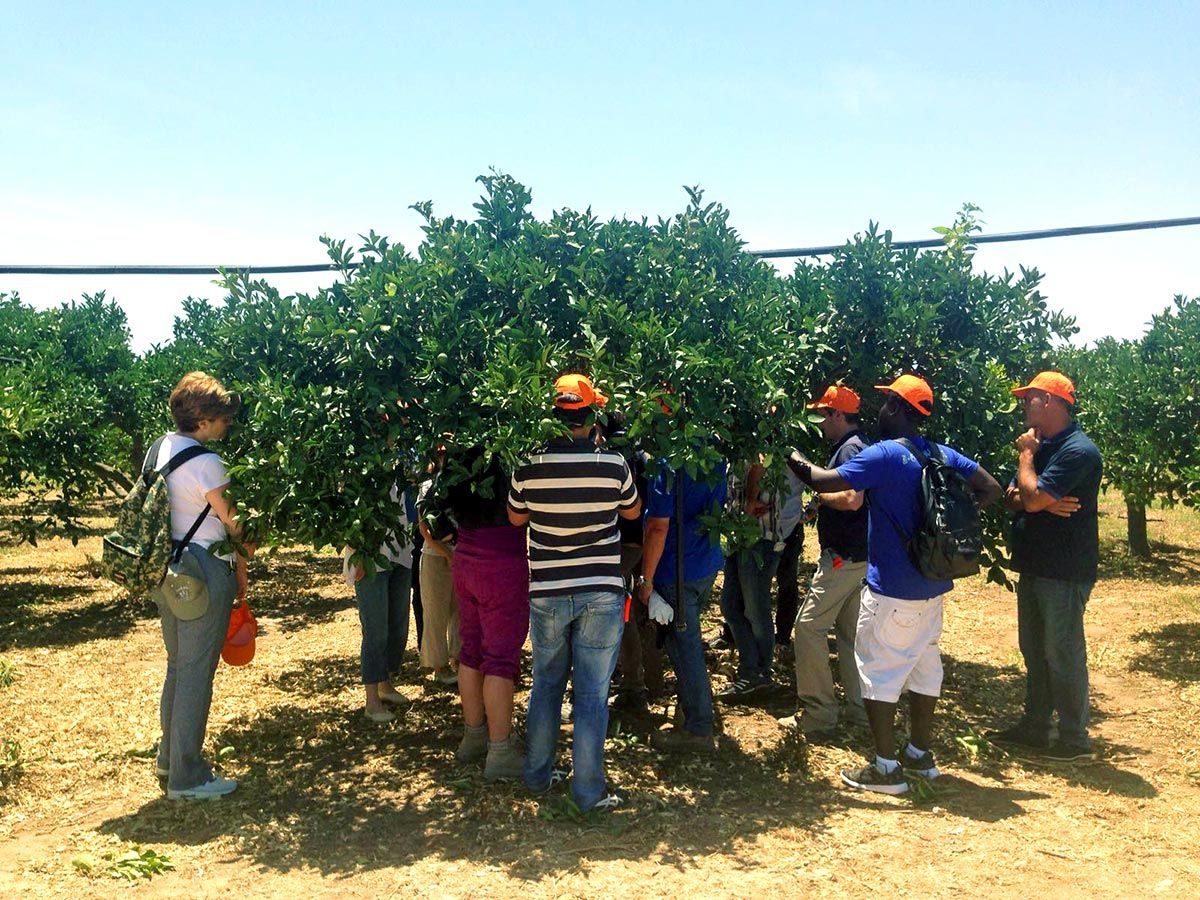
x,y
900,610
571,495
832,600
1055,548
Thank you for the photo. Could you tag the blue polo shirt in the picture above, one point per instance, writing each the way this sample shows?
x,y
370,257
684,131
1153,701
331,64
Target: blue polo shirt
x,y
892,477
1050,546
702,557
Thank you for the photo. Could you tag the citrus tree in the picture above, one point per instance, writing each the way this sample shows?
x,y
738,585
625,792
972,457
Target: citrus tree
x,y
1138,402
876,311
352,388
68,411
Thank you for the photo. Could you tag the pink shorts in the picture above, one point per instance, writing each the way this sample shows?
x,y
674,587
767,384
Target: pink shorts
x,y
493,610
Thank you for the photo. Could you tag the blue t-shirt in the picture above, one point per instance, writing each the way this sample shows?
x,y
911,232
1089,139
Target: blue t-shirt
x,y
892,477
702,557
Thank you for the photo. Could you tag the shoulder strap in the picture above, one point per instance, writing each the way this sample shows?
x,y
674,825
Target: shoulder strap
x,y
151,459
185,455
913,449
191,533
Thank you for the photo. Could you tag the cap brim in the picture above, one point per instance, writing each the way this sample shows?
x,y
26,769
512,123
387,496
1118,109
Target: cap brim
x,y
1023,389
817,405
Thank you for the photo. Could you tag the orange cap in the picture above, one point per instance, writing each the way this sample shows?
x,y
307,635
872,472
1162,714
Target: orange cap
x,y
839,397
239,636
577,392
914,389
1055,383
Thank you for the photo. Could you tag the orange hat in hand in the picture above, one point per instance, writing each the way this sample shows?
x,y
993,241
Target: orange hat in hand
x,y
239,636
913,389
577,392
838,397
1055,383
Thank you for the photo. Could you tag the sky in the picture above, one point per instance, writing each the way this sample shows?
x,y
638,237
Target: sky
x,y
234,133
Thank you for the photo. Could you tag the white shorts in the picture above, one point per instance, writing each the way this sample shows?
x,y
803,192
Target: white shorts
x,y
896,648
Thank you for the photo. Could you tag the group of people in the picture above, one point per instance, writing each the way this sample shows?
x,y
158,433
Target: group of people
x,y
606,567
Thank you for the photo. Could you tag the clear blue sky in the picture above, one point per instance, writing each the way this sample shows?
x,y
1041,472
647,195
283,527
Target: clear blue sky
x,y
238,133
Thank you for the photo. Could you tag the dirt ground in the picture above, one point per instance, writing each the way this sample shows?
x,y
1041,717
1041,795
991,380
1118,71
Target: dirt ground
x,y
332,805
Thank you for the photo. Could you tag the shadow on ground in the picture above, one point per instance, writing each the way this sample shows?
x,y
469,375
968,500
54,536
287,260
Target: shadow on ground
x,y
1167,564
297,588
1171,652
75,608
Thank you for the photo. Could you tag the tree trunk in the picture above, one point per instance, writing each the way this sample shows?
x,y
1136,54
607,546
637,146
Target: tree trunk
x,y
1135,511
137,456
115,477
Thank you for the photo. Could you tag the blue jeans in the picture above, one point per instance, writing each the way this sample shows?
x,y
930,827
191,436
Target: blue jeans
x,y
746,606
686,653
1050,629
383,600
580,634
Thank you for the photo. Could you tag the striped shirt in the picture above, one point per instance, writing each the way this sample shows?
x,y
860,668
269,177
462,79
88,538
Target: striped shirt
x,y
572,492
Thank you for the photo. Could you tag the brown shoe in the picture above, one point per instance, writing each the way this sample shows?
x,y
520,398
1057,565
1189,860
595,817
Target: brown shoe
x,y
677,740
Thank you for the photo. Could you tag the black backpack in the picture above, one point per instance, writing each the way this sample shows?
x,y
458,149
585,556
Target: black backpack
x,y
949,537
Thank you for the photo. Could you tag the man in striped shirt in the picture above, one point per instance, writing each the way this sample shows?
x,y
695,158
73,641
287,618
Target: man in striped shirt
x,y
571,495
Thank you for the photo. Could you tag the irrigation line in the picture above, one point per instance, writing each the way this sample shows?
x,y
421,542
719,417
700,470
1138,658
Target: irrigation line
x,y
790,253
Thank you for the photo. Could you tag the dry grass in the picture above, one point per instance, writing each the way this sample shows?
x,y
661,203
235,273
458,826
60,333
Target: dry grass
x,y
332,805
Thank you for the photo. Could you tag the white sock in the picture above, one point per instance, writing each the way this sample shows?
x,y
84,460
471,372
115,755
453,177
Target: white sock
x,y
912,751
886,766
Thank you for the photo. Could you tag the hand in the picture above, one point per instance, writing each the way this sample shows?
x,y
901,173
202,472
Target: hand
x,y
1029,442
1066,507
251,547
643,592
359,573
757,508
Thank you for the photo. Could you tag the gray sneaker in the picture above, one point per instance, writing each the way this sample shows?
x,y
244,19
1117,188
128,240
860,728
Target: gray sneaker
x,y
213,789
505,761
922,765
474,744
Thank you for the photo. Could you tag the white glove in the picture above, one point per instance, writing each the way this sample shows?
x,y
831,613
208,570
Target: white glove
x,y
660,610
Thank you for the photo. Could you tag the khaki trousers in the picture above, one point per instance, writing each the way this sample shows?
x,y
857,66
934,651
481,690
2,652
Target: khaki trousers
x,y
832,602
439,634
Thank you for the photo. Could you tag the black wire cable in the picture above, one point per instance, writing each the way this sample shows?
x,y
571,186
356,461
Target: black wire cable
x,y
795,252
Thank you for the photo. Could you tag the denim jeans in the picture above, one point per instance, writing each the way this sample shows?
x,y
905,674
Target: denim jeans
x,y
383,600
746,605
788,577
686,653
579,634
1050,629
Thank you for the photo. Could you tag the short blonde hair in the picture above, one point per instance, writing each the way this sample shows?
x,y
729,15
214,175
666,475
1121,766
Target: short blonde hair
x,y
199,396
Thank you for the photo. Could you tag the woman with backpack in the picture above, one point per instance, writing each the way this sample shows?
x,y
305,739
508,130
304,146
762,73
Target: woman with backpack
x,y
193,630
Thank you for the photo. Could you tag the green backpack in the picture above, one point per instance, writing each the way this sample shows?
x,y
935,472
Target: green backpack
x,y
136,553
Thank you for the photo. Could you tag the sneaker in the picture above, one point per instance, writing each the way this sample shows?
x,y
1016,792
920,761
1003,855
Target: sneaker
x,y
1066,753
679,740
558,775
610,801
445,675
743,688
474,744
213,789
869,778
1019,736
922,765
719,643
505,761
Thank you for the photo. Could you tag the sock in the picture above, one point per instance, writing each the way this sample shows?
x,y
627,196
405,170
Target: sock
x,y
912,752
886,766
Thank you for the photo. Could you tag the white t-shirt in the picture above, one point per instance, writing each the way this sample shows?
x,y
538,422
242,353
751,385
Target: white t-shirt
x,y
397,550
186,487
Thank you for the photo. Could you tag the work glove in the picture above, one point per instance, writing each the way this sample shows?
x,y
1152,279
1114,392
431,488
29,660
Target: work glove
x,y
660,610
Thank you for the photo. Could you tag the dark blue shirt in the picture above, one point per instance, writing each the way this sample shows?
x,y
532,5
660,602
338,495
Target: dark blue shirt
x,y
1049,546
892,477
842,531
702,557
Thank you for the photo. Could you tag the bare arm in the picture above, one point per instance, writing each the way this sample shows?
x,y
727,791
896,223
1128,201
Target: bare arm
x,y
227,513
633,512
654,541
441,548
517,518
987,489
823,481
753,506
845,501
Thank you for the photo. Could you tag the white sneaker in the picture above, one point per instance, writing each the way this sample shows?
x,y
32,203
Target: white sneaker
x,y
213,789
